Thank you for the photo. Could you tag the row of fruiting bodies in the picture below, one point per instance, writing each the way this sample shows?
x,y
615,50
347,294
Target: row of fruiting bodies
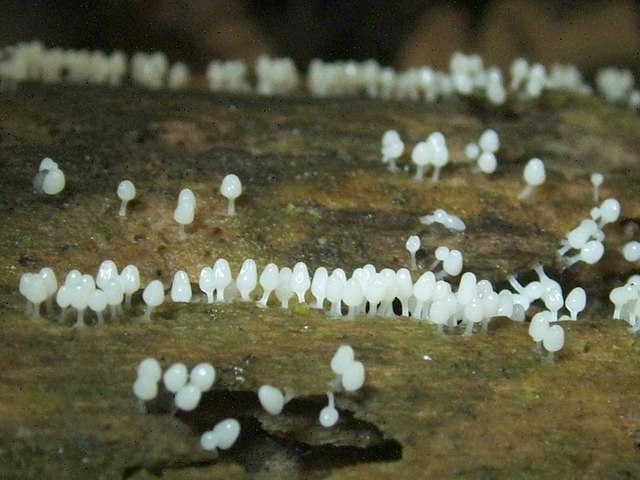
x,y
467,75
434,153
366,291
188,388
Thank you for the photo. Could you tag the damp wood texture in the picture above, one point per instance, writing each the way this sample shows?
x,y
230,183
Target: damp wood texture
x,y
315,190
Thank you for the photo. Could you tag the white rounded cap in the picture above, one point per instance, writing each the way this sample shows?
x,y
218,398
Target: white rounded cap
x,y
145,388
413,243
592,252
184,214
472,150
442,253
539,325
487,163
48,276
271,399
175,377
597,179
420,154
153,294
203,376
208,441
534,172
300,280
631,251
247,278
609,211
188,397
181,287
352,294
390,136
187,197
452,264
126,190
489,141
553,339
130,279
343,357
438,312
54,182
576,300
33,288
97,301
353,376
328,416
107,271
47,164
270,277
227,432
150,368
231,186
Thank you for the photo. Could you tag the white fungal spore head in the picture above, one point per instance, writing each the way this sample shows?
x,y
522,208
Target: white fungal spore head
x,y
175,377
489,141
153,294
150,368
203,376
231,188
126,190
353,376
343,357
227,432
271,399
188,397
534,173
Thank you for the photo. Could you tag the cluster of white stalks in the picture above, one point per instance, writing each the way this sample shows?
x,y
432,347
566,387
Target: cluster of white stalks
x,y
430,298
626,303
187,388
32,61
467,76
587,239
433,153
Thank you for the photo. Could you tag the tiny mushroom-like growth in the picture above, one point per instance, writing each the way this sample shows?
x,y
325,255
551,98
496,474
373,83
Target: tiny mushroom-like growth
x,y
420,155
130,281
185,211
575,302
203,376
392,149
597,179
449,221
271,399
126,192
231,188
440,154
175,377
329,415
153,296
269,280
188,397
247,279
413,245
353,376
631,251
553,341
181,287
222,436
534,175
50,178
300,280
33,288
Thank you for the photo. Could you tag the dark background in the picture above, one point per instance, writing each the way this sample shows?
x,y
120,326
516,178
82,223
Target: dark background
x,y
403,33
